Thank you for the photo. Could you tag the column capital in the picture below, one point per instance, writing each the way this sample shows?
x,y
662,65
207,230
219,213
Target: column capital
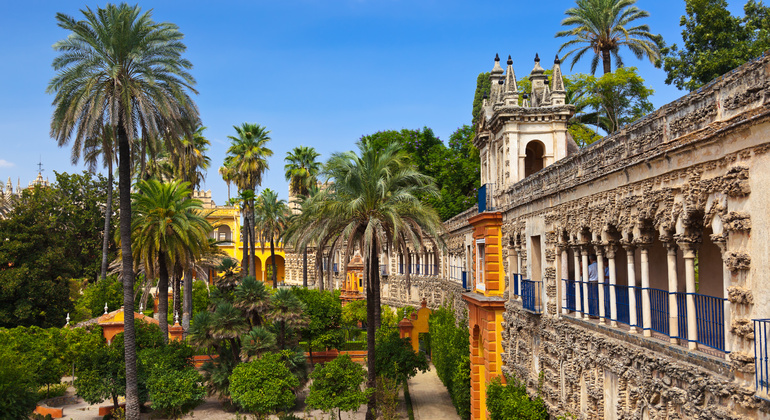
x,y
669,242
610,248
598,247
627,245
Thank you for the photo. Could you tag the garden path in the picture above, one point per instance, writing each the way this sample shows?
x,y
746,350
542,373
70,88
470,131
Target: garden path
x,y
430,398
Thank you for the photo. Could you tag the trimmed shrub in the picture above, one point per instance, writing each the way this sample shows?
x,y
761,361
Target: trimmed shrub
x,y
450,342
511,401
263,386
338,385
176,392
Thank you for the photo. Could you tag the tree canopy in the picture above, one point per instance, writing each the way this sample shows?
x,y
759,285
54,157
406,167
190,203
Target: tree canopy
x,y
454,167
715,41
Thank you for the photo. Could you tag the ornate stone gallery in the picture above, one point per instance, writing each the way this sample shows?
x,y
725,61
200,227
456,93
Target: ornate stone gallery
x,y
626,280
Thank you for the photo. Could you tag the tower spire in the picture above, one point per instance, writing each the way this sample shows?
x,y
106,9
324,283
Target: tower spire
x,y
511,94
558,92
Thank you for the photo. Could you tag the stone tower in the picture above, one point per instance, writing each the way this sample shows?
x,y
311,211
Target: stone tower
x,y
521,132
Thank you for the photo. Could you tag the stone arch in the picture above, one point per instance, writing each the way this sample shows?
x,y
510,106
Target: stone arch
x,y
224,234
280,266
534,159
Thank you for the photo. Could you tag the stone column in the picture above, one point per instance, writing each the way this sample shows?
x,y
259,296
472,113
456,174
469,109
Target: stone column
x,y
600,271
673,285
646,308
584,255
688,249
610,251
629,247
576,258
721,242
564,275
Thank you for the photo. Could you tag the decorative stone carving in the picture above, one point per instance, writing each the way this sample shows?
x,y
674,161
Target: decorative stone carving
x,y
740,295
738,261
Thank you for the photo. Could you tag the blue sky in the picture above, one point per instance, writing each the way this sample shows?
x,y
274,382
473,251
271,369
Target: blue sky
x,y
315,73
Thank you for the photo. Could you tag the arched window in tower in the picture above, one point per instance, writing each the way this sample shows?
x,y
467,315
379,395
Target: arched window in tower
x,y
224,233
533,161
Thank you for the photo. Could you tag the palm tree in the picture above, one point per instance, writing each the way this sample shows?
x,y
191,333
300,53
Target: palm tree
x,y
103,146
247,160
286,310
371,203
191,160
168,228
302,172
601,26
301,169
119,67
271,221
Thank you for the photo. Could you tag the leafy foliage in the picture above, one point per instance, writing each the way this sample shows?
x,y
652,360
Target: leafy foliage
x,y
176,392
511,401
619,97
17,389
338,385
450,343
715,41
91,303
50,236
263,386
395,358
324,313
455,169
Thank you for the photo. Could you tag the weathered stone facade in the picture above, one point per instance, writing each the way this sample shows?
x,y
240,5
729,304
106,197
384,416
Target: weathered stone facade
x,y
631,272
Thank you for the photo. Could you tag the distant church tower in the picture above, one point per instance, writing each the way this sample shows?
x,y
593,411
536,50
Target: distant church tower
x,y
520,133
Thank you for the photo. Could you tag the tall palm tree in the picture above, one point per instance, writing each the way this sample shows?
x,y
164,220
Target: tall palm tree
x,y
287,311
191,160
601,26
302,173
272,217
103,146
168,228
371,203
247,159
119,67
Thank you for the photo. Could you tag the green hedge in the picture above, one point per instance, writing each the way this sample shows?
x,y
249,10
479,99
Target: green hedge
x,y
450,342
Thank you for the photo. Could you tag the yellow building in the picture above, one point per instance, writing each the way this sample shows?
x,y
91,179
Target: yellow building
x,y
227,230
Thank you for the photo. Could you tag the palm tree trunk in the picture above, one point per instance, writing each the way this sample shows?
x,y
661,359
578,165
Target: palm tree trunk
x,y
371,330
187,301
246,261
163,295
253,246
272,258
177,291
304,268
107,220
127,274
606,61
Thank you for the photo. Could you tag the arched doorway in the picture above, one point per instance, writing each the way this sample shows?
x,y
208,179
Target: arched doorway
x,y
279,266
533,161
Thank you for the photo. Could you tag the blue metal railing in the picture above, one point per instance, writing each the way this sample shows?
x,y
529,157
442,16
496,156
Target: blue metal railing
x,y
621,301
761,356
516,283
465,280
383,270
334,268
569,290
593,297
530,295
710,319
659,311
